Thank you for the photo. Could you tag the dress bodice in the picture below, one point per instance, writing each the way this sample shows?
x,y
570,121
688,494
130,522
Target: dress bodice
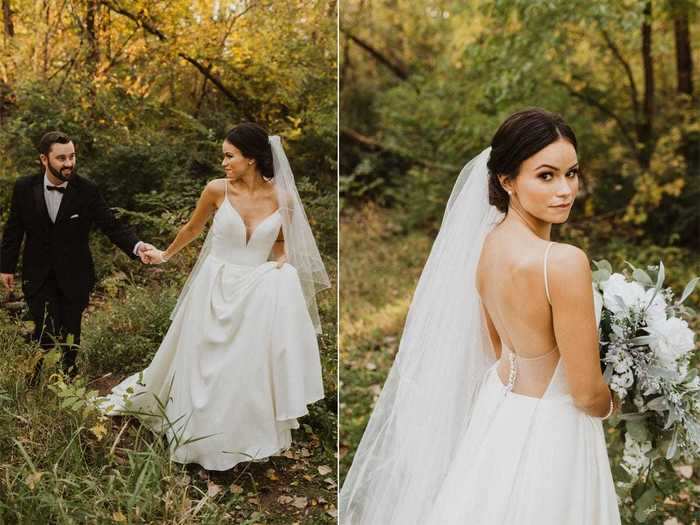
x,y
229,236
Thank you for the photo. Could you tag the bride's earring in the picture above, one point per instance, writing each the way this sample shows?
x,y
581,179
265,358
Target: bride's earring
x,y
510,193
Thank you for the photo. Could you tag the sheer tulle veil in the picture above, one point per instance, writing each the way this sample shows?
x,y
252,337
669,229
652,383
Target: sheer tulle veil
x,y
443,354
300,246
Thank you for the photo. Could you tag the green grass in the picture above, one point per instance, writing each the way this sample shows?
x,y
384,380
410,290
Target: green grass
x,y
70,465
381,261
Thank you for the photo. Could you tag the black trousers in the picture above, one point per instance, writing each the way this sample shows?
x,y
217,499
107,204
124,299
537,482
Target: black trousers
x,y
56,317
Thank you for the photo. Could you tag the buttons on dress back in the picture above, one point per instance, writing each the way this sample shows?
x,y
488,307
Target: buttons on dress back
x,y
512,374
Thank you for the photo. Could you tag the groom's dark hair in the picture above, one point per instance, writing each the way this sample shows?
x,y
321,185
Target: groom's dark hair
x,y
519,137
51,138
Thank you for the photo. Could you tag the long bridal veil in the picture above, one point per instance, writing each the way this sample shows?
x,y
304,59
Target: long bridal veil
x,y
443,354
300,245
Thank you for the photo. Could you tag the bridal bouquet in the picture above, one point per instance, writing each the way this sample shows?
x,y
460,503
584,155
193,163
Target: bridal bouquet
x,y
648,357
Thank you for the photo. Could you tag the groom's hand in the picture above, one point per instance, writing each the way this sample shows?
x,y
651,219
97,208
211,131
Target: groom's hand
x,y
143,250
155,256
8,280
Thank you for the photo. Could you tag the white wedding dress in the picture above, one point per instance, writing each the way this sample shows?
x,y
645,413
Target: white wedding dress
x,y
240,361
528,455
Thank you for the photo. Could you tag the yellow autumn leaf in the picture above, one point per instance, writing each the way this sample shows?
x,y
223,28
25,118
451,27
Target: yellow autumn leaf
x,y
32,479
99,431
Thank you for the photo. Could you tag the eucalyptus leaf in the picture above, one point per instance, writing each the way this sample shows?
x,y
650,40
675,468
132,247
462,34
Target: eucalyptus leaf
x,y
603,265
689,288
673,445
643,340
645,503
600,276
657,404
642,277
637,430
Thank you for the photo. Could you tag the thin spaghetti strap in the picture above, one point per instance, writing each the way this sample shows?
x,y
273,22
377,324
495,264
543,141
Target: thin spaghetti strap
x,y
546,286
226,188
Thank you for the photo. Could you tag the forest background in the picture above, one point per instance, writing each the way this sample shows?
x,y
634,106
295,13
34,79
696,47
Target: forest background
x,y
424,86
148,90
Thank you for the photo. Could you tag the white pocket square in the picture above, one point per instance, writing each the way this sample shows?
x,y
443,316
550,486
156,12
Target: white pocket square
x,y
74,216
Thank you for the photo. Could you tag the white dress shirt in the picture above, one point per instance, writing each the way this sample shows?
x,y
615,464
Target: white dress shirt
x,y
53,198
53,202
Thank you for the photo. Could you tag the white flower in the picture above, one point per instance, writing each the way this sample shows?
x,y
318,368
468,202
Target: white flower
x,y
657,310
673,339
634,457
632,295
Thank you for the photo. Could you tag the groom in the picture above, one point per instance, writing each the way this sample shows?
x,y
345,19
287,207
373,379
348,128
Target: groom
x,y
53,212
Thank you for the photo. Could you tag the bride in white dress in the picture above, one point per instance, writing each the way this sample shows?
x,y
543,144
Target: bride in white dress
x,y
492,412
240,361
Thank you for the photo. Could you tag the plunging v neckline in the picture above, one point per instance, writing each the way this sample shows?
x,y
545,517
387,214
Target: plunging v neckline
x,y
245,227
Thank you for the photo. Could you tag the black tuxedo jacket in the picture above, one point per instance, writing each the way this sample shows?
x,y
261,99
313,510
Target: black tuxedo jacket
x,y
61,246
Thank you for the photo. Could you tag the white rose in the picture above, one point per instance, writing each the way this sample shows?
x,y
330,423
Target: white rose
x,y
631,293
673,340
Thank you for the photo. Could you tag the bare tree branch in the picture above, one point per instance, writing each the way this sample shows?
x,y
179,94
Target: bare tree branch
x,y
148,26
206,71
371,144
600,106
634,94
139,18
396,67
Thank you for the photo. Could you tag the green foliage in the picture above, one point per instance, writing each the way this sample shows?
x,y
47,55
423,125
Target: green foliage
x,y
123,336
469,65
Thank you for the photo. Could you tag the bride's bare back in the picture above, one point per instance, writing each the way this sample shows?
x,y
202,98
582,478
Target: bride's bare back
x,y
510,280
523,321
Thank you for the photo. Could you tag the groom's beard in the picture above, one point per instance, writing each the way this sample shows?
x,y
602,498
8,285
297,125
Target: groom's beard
x,y
62,175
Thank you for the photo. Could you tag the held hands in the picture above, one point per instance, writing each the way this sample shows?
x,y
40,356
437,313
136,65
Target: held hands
x,y
141,252
154,256
149,254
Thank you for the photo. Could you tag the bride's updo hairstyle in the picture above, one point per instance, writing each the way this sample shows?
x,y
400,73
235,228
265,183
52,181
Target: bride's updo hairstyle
x,y
521,136
251,139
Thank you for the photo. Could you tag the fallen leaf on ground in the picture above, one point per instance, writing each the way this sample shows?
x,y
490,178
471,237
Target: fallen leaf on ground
x,y
213,489
324,470
300,502
32,479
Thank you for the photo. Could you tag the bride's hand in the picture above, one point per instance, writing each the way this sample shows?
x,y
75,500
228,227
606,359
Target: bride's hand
x,y
280,262
155,256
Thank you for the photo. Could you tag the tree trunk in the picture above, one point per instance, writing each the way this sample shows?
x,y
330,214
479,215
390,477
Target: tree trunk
x,y
645,131
684,85
7,19
684,56
93,56
47,41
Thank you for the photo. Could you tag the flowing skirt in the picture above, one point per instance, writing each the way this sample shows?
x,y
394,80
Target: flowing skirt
x,y
235,370
528,461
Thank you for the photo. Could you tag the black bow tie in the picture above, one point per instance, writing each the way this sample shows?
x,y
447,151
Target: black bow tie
x,y
59,189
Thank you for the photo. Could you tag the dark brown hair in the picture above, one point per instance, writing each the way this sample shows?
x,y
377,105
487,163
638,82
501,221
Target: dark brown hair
x,y
518,138
253,142
51,138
